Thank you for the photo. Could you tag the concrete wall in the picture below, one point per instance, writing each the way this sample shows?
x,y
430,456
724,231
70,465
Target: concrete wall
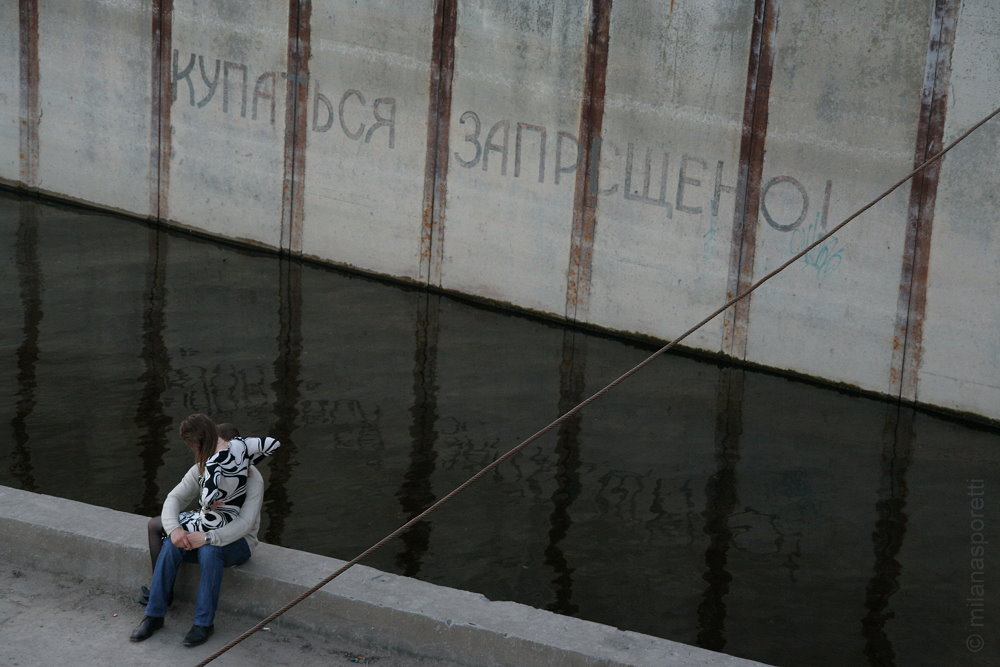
x,y
673,115
843,115
367,138
10,94
623,165
961,348
95,58
225,145
517,84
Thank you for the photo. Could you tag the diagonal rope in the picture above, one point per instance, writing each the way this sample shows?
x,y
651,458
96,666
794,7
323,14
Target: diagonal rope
x,y
587,401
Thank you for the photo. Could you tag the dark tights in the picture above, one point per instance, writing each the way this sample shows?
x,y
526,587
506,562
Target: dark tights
x,y
154,528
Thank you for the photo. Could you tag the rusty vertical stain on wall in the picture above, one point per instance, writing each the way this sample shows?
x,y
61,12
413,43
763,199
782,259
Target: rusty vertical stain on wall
x,y
912,301
754,135
30,104
438,145
296,119
161,97
585,194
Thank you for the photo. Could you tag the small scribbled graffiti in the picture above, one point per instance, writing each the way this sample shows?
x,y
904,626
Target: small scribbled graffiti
x,y
824,258
708,238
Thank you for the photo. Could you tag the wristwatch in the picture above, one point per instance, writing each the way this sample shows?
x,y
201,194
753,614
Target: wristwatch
x,y
208,539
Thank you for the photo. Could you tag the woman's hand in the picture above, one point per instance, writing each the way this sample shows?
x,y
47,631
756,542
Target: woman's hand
x,y
180,538
196,540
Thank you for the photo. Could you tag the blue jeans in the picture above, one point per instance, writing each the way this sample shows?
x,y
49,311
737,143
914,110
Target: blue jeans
x,y
211,561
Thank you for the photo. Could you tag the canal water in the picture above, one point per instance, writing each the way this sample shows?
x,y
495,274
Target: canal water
x,y
744,512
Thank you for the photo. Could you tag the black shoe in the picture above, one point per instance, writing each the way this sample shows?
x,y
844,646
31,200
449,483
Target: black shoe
x,y
198,634
146,628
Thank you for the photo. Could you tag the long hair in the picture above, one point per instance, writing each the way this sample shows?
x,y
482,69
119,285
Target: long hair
x,y
200,434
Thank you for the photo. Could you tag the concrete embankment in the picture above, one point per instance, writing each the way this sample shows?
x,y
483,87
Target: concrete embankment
x,y
364,611
622,165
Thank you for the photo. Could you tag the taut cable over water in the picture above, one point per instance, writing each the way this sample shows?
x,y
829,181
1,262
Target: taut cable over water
x,y
607,388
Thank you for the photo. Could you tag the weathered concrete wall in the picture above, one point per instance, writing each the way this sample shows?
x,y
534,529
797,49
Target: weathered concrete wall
x,y
842,123
95,59
669,167
961,349
367,140
517,85
10,93
624,165
226,139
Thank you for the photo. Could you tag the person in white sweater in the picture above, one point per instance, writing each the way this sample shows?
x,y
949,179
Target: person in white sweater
x,y
213,550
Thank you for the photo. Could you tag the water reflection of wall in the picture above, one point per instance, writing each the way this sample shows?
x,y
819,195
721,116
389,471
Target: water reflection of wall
x,y
735,510
353,440
89,345
932,609
221,328
802,531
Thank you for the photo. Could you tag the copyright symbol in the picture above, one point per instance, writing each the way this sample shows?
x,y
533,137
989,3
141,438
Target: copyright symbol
x,y
974,643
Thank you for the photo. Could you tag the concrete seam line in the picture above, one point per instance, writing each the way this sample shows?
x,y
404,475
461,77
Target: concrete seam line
x,y
601,392
29,102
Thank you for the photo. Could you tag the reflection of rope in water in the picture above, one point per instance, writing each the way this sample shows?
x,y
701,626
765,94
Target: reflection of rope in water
x,y
593,397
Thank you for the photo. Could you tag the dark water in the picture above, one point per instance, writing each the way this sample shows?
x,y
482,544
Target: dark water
x,y
738,511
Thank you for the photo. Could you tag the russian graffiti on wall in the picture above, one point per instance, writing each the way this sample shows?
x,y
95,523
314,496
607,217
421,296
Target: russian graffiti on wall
x,y
645,176
684,184
351,115
358,118
824,258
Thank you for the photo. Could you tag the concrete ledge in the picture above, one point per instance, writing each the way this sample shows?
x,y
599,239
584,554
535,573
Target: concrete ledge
x,y
364,605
